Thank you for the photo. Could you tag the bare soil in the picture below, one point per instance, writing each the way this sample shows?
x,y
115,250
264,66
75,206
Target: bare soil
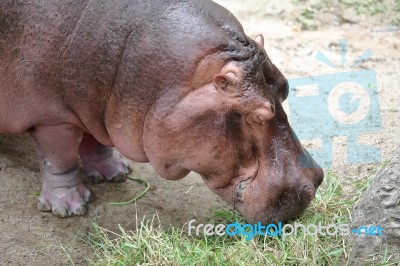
x,y
28,237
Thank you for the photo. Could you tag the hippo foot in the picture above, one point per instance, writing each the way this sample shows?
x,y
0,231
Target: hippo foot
x,y
113,168
64,195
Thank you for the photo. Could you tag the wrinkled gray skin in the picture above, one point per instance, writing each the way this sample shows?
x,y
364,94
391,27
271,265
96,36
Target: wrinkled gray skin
x,y
177,84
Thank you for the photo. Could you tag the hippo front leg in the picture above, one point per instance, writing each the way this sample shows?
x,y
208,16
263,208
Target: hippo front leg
x,y
101,162
62,189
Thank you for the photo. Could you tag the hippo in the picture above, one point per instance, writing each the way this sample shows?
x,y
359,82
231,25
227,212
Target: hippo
x,y
177,84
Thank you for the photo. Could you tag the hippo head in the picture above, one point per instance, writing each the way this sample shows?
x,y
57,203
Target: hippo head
x,y
233,131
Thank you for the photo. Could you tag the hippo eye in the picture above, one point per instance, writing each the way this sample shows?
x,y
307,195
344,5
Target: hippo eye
x,y
257,118
263,113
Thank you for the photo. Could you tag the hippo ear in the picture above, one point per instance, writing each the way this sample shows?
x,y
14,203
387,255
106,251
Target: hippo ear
x,y
227,83
260,40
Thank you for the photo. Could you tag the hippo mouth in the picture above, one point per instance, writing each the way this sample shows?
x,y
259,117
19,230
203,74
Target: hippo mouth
x,y
239,189
288,204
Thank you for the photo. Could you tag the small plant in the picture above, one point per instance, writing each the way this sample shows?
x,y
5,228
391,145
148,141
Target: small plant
x,y
396,22
306,18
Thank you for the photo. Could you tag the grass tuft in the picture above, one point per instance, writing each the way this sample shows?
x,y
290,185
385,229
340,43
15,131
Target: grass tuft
x,y
150,244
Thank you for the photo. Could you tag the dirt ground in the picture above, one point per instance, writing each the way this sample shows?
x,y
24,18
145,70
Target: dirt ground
x,y
32,238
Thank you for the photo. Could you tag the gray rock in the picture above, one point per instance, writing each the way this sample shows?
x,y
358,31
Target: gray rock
x,y
379,205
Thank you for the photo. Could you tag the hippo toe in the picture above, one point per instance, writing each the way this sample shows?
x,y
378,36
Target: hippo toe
x,y
64,201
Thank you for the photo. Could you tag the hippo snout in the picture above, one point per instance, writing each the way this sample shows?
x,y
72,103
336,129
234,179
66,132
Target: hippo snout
x,y
270,198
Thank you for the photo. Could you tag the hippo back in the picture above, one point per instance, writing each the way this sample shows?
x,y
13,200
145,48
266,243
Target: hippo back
x,y
73,54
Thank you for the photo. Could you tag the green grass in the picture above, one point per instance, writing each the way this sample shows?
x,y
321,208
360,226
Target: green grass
x,y
371,7
306,18
151,244
396,21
